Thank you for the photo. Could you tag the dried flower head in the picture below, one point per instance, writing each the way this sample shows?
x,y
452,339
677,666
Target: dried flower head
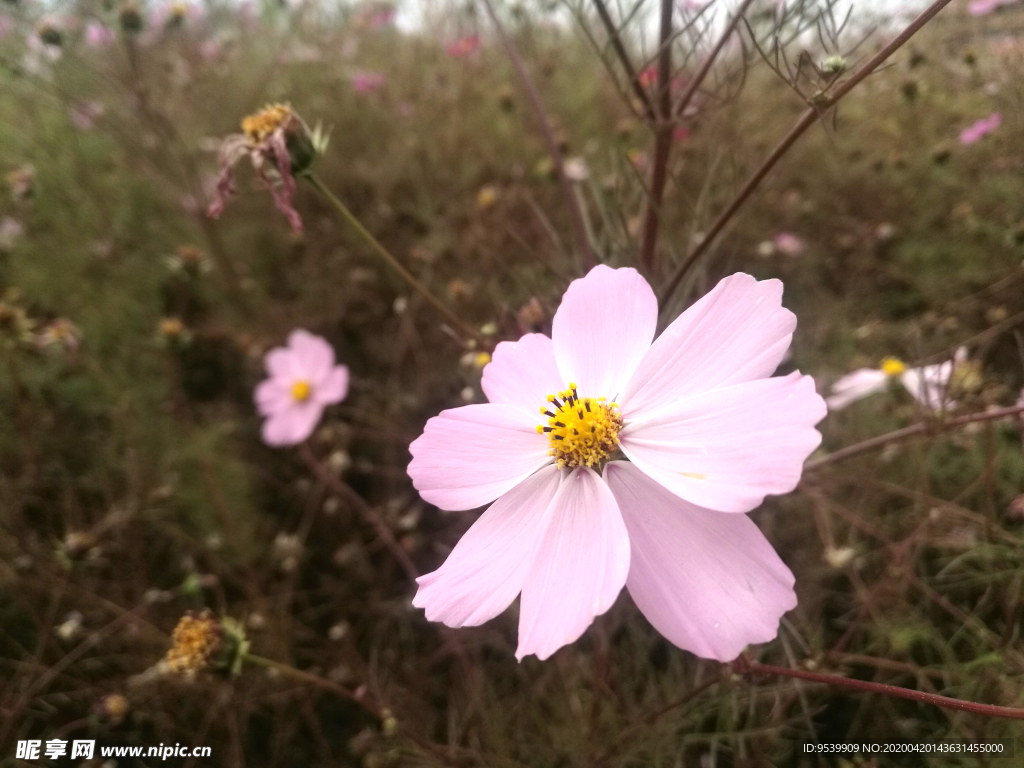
x,y
195,642
21,182
60,334
113,707
130,18
280,147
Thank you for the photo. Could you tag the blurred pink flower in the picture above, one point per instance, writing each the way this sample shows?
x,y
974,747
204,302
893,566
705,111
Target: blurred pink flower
x,y
463,46
83,116
303,381
6,25
927,384
98,35
984,7
211,49
706,433
981,128
367,82
789,244
681,133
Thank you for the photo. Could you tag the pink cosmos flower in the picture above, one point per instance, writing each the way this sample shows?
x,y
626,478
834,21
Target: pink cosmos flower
x,y
303,380
981,128
789,244
366,82
927,384
463,47
83,116
645,458
97,35
984,7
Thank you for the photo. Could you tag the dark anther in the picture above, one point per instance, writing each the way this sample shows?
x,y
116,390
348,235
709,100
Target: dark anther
x,y
587,405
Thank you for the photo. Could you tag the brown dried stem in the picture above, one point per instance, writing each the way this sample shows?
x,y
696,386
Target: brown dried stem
x,y
571,200
824,102
915,430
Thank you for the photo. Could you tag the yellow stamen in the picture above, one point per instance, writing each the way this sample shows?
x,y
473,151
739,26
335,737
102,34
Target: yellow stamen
x,y
891,366
301,390
582,431
260,126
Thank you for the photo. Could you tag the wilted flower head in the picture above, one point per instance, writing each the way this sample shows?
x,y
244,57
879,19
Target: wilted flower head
x,y
486,197
21,182
647,453
929,384
303,381
50,32
981,128
463,46
97,34
188,262
365,82
62,334
113,707
130,18
280,146
194,643
576,169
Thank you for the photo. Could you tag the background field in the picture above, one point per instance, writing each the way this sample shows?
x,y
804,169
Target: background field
x,y
134,486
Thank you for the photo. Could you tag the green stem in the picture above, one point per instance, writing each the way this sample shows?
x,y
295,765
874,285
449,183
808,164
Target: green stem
x,y
391,261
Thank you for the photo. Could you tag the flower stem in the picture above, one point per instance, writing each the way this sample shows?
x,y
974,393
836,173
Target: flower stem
x,y
306,677
391,261
749,667
914,430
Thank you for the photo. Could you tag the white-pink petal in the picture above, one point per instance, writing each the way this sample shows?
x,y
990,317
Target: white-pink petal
x,y
737,332
333,388
272,396
856,385
579,569
293,424
710,583
602,329
487,568
523,373
728,448
469,456
313,355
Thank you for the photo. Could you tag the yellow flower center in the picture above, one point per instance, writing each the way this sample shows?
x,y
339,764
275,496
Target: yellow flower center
x,y
301,390
258,127
582,431
892,366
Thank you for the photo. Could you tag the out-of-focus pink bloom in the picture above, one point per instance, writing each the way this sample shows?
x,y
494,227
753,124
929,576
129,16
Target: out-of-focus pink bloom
x,y
463,46
375,17
981,128
681,133
691,6
210,49
706,433
248,15
303,381
98,35
6,25
367,82
11,232
83,116
405,109
927,384
984,7
265,140
648,76
789,244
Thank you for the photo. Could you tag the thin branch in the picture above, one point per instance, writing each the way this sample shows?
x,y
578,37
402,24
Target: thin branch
x,y
662,140
807,119
751,667
579,231
922,428
343,489
620,50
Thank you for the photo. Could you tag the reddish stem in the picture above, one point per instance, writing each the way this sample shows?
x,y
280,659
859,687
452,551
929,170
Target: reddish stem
x,y
750,667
